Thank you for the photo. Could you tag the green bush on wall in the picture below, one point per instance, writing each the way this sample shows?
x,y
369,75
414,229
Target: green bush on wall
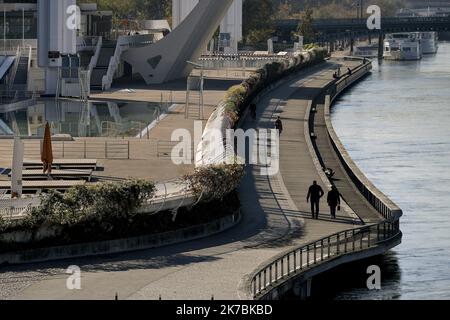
x,y
113,207
238,97
216,181
111,204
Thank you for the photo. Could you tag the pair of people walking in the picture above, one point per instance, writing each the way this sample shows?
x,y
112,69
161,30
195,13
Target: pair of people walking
x,y
315,193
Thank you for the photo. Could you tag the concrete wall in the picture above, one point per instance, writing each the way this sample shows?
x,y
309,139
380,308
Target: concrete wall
x,y
122,245
378,199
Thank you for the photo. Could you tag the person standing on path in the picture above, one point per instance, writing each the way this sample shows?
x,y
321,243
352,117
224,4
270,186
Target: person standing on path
x,y
279,125
315,193
334,201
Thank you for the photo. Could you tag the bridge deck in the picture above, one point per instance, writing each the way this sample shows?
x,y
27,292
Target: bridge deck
x,y
275,219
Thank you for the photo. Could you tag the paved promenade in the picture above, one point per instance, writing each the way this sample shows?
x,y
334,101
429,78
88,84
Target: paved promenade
x,y
275,218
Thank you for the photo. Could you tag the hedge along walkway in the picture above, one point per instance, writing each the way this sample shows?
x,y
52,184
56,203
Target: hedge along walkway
x,y
273,222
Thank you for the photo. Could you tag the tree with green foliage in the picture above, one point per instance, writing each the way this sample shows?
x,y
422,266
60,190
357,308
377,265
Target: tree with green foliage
x,y
140,9
258,25
305,27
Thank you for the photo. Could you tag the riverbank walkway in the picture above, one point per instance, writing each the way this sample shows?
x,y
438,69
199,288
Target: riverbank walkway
x,y
275,218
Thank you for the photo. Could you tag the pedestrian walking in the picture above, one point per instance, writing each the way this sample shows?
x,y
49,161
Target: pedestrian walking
x,y
253,111
279,125
334,201
315,193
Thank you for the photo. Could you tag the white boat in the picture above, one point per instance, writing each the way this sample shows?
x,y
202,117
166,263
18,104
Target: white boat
x,y
402,46
429,42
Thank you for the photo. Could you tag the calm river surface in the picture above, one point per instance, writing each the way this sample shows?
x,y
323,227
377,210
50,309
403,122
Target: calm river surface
x,y
396,126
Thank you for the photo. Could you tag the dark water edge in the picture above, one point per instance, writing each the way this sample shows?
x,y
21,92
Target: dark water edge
x,y
349,281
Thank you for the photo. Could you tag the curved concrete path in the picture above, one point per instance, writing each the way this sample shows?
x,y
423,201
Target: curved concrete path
x,y
275,219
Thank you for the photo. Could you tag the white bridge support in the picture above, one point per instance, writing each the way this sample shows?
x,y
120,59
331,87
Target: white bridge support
x,y
166,60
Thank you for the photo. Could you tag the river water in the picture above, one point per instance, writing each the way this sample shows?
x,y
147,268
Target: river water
x,y
396,126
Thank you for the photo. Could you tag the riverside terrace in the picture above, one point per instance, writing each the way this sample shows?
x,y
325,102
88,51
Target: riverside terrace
x,y
276,247
127,157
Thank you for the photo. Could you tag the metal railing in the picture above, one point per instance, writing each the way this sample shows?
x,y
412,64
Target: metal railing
x,y
320,251
87,42
170,195
117,150
304,258
10,45
95,57
81,149
14,209
375,197
238,62
112,129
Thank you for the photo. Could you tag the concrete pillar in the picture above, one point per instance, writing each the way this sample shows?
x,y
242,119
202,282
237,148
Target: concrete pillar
x,y
380,45
56,33
232,24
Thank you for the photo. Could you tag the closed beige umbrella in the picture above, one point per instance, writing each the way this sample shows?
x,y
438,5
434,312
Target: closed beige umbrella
x,y
47,152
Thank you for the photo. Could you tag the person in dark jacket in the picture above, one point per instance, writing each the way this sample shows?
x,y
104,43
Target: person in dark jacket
x,y
279,125
315,193
334,200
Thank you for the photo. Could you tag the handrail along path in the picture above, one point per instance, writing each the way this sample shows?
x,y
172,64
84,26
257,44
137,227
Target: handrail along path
x,y
301,262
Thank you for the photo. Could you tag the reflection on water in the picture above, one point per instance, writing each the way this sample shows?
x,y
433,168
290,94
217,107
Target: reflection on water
x,y
95,119
396,126
349,281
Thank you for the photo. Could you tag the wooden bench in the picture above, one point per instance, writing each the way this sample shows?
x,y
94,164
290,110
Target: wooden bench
x,y
60,185
63,164
57,174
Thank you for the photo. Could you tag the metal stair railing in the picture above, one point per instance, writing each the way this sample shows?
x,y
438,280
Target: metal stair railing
x,y
14,69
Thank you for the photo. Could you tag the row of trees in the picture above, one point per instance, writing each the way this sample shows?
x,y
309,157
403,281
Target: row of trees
x,y
325,9
259,15
135,9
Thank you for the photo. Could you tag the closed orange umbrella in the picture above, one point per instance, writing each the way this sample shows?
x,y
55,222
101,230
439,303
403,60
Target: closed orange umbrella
x,y
47,152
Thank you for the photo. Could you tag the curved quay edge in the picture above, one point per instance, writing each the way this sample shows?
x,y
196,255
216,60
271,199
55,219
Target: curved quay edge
x,y
383,204
118,246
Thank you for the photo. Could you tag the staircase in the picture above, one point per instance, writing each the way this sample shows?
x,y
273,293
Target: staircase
x,y
194,99
101,69
21,78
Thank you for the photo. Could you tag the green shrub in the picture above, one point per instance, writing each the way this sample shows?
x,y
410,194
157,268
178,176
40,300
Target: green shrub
x,y
113,203
3,224
215,182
